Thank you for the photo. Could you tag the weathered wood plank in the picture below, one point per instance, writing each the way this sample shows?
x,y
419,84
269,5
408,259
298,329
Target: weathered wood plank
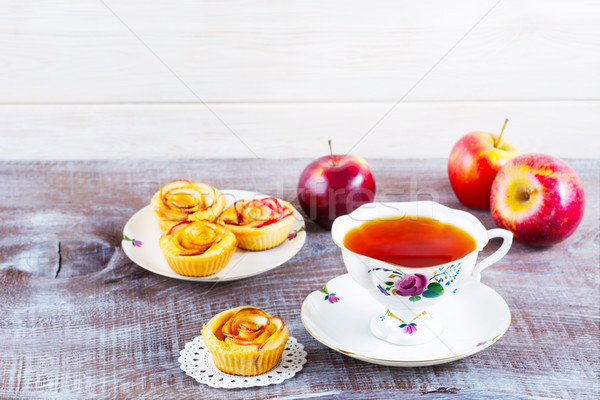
x,y
115,330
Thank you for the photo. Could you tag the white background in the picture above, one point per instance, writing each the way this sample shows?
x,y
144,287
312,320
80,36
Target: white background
x,y
103,79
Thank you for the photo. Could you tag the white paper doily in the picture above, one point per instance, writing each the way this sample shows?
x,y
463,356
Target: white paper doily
x,y
197,362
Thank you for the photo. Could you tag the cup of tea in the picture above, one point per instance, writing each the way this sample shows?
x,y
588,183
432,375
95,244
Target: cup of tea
x,y
411,256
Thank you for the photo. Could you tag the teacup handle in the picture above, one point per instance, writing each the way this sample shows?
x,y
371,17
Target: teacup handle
x,y
507,237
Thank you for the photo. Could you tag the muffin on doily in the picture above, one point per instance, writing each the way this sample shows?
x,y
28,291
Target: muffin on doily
x,y
245,340
182,200
198,248
259,224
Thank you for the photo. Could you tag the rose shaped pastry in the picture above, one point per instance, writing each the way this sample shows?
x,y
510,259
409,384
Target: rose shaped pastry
x,y
259,224
245,340
197,248
182,200
411,285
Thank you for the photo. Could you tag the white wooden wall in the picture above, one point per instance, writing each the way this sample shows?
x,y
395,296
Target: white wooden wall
x,y
199,78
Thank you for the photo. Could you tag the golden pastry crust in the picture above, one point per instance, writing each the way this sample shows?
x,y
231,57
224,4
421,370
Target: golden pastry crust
x,y
245,340
182,200
198,248
259,224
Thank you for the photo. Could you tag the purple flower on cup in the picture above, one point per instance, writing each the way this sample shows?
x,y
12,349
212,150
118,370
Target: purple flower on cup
x,y
411,285
410,328
382,290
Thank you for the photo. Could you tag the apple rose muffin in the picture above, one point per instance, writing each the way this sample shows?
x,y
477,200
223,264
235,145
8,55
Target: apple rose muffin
x,y
198,248
259,224
182,200
245,340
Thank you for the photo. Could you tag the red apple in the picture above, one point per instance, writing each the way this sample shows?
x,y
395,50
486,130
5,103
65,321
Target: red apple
x,y
335,185
473,163
538,198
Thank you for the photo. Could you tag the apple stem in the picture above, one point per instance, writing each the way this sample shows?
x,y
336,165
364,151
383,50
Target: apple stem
x,y
497,142
331,152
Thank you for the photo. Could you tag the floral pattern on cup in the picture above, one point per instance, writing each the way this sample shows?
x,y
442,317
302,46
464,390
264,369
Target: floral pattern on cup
x,y
416,286
330,297
408,328
382,290
411,285
134,242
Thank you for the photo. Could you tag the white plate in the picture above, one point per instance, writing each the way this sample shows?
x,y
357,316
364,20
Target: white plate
x,y
474,318
142,230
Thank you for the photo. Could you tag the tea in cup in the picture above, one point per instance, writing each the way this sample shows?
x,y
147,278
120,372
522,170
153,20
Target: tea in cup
x,y
411,256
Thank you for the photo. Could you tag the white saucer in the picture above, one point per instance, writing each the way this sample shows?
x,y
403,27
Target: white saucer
x,y
473,318
140,244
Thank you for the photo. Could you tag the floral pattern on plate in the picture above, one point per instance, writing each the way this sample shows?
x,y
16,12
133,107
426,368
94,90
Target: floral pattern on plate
x,y
330,297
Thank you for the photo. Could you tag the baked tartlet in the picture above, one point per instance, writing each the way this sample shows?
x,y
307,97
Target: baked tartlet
x,y
259,224
245,340
182,200
198,248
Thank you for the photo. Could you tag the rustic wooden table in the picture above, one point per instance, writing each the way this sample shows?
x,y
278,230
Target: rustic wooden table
x,y
92,324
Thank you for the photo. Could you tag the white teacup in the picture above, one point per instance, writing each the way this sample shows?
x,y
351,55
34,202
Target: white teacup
x,y
408,292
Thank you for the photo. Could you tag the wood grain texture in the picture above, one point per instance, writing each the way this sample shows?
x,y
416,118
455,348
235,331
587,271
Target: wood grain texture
x,y
266,51
404,130
106,328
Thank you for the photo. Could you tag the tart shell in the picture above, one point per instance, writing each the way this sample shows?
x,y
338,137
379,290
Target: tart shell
x,y
210,214
262,238
210,262
246,360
